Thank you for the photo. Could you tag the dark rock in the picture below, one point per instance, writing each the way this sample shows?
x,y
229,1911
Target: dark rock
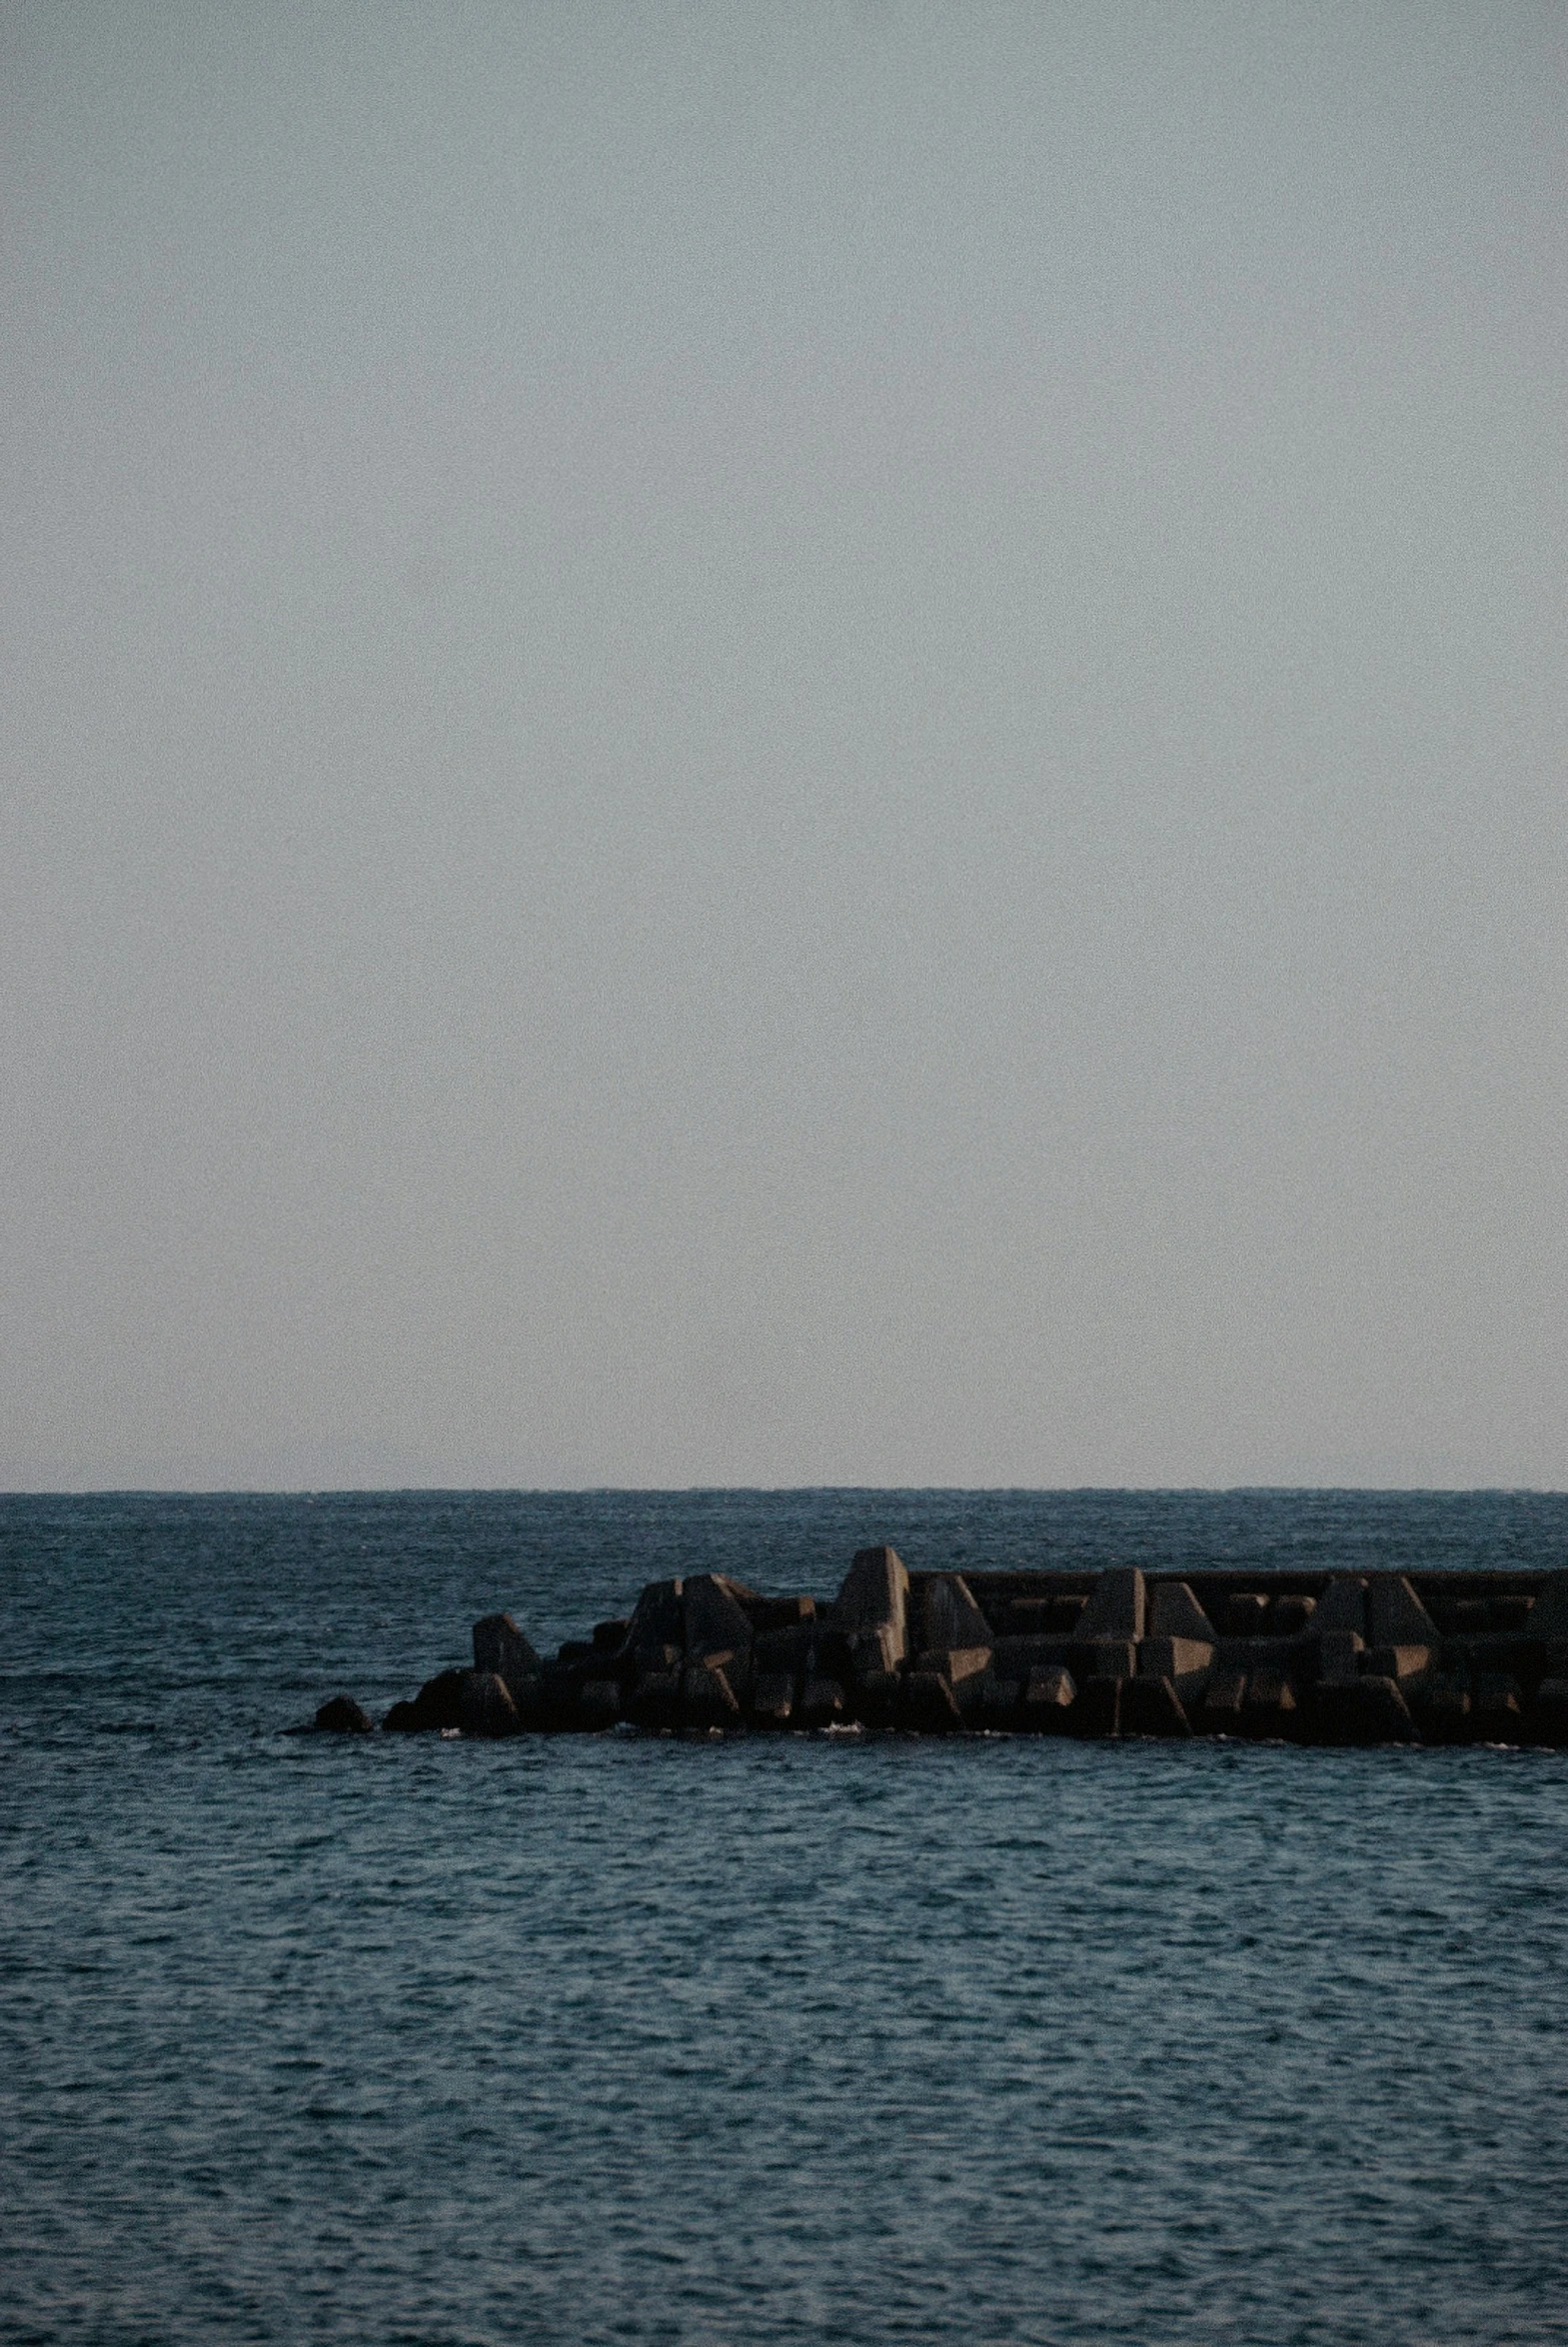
x,y
1359,1711
499,1645
402,1720
1152,1708
485,1706
577,1650
342,1716
1173,1612
608,1636
1115,1607
1512,1613
1290,1616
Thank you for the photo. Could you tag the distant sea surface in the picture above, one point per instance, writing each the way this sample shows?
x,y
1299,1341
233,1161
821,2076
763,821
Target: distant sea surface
x,y
751,2042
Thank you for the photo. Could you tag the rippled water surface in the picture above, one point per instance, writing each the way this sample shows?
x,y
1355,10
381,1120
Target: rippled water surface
x,y
774,2040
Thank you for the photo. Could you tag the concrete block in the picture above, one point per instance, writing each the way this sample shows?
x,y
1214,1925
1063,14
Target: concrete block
x,y
874,1654
1441,1711
778,1614
1115,1607
1097,1710
1270,1704
342,1716
874,1592
1047,1697
1151,1707
716,1623
599,1702
1549,1618
999,1702
707,1697
788,1650
1174,1659
1547,1717
773,1699
658,1627
485,1706
1342,1606
1497,1709
1219,1713
874,1700
1103,1659
1359,1711
1338,1655
1395,1616
499,1645
821,1704
949,1616
928,1705
1397,1662
1173,1612
655,1700
1246,1613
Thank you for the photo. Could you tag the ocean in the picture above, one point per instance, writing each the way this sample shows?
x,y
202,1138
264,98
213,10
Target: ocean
x,y
755,2040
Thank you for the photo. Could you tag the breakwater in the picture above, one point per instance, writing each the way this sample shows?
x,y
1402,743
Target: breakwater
x,y
1329,1658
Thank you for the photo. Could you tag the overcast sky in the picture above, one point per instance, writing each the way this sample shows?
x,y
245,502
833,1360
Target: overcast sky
x,y
812,744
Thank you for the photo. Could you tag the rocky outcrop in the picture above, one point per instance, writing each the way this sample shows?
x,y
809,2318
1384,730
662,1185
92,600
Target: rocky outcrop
x,y
1327,1659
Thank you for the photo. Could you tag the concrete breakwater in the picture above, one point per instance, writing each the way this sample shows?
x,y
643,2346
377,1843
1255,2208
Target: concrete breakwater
x,y
1328,1659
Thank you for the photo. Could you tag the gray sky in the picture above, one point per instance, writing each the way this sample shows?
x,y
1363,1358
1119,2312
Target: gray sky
x,y
818,744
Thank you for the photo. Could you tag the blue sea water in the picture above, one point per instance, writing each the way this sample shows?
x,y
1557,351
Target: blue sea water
x,y
773,2041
